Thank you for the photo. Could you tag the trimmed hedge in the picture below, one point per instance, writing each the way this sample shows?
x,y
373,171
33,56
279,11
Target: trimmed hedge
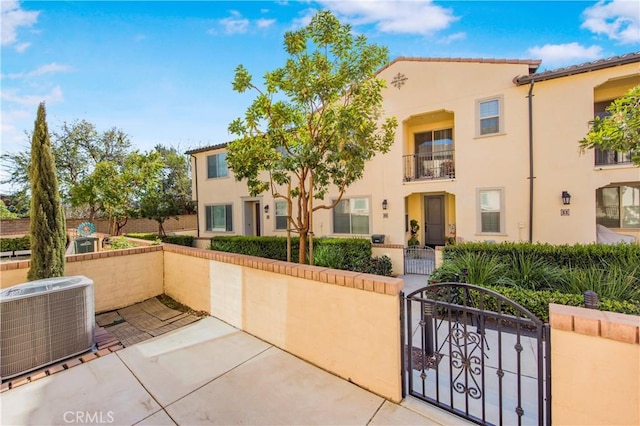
x,y
355,252
576,256
537,301
182,240
15,244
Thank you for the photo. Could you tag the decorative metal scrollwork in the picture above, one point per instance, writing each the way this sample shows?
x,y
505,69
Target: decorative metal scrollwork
x,y
464,358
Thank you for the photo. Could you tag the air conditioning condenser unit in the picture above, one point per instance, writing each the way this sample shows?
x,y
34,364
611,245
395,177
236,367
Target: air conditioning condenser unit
x,y
45,321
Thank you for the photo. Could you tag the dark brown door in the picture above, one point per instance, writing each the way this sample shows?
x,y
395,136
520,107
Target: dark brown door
x,y
434,225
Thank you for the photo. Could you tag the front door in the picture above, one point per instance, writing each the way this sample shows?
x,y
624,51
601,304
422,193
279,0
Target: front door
x,y
434,220
252,223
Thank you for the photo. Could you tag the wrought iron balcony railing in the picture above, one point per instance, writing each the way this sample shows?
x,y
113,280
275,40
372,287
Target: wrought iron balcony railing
x,y
607,157
433,165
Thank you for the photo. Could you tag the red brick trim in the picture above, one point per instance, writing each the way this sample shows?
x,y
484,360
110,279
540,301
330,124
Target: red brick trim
x,y
368,282
22,264
591,322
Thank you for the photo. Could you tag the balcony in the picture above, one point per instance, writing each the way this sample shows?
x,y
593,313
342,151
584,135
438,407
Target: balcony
x,y
427,166
607,157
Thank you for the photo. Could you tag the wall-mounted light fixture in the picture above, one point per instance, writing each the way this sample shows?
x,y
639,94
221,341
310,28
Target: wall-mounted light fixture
x,y
384,204
566,198
266,208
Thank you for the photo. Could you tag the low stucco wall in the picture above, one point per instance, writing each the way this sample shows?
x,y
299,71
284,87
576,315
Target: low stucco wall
x,y
395,253
595,361
344,322
120,277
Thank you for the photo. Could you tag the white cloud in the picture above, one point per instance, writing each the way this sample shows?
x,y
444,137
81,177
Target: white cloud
x,y
13,17
619,20
42,70
265,23
397,17
235,24
21,47
453,37
557,55
12,96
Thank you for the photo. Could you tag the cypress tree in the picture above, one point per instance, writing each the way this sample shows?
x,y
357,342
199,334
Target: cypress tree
x,y
48,226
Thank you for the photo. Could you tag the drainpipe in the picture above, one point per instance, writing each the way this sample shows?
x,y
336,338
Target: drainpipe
x,y
531,177
194,174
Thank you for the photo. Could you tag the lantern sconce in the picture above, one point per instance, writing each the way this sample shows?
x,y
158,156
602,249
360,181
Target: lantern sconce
x,y
384,204
566,198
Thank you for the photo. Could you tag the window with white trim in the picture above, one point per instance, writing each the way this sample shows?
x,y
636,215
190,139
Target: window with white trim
x,y
491,211
351,216
217,165
489,116
281,215
618,206
219,218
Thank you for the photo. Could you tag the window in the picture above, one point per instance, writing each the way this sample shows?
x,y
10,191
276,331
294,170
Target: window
x,y
281,215
618,207
491,217
489,113
217,165
607,157
351,216
219,218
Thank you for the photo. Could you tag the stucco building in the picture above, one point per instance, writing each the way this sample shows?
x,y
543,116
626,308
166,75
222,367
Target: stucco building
x,y
485,149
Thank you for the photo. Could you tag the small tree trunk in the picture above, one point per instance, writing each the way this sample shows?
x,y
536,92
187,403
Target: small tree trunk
x,y
302,253
310,218
289,212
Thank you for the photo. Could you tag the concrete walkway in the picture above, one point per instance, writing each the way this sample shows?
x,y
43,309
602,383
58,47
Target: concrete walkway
x,y
205,373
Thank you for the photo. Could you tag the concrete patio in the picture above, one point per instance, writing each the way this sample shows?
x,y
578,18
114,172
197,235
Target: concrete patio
x,y
205,373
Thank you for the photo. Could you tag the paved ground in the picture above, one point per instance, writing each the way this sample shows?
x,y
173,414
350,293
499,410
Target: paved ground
x,y
142,321
204,373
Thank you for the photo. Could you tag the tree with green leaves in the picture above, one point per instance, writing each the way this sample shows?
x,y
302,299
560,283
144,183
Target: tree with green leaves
x,y
169,195
619,130
5,213
315,122
77,147
118,188
48,227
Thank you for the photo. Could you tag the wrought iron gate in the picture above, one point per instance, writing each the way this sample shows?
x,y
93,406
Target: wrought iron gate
x,y
419,260
477,354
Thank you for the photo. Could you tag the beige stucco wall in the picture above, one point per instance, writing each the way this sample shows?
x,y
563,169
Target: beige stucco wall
x,y
440,94
121,278
315,313
394,252
595,361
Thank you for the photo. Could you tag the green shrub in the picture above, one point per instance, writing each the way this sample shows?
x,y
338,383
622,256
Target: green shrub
x,y
614,282
121,242
183,240
328,256
575,256
533,273
355,252
537,302
481,269
15,244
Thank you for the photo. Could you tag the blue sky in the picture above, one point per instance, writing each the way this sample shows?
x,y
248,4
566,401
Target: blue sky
x,y
162,71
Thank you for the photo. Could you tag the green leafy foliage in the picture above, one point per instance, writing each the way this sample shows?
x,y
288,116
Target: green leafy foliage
x,y
48,227
314,122
5,213
119,243
351,254
620,129
535,275
170,194
182,240
15,244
